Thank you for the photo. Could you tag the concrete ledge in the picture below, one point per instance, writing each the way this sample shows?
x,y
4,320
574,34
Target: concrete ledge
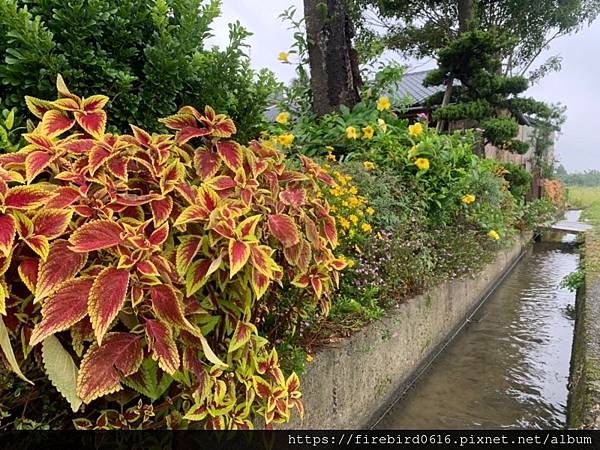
x,y
583,406
351,385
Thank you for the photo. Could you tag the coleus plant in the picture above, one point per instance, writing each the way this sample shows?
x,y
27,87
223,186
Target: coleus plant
x,y
137,262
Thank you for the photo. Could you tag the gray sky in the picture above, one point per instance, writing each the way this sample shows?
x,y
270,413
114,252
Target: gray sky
x,y
577,85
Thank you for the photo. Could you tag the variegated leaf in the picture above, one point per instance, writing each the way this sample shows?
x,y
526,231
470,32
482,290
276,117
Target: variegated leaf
x,y
162,345
61,265
103,367
66,306
96,235
106,299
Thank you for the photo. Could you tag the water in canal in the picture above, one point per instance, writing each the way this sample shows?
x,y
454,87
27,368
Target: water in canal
x,y
509,366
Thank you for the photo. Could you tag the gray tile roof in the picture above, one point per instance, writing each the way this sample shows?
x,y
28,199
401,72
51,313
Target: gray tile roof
x,y
411,85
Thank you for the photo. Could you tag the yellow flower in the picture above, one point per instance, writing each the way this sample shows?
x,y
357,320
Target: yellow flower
x,y
309,358
353,190
379,236
492,234
283,57
353,218
330,156
285,140
368,165
370,211
350,263
368,132
422,163
282,118
329,148
415,130
382,125
412,151
383,103
344,223
366,227
351,133
357,249
468,199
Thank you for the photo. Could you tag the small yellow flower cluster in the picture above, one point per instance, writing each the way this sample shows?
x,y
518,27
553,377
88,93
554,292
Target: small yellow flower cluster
x,y
468,199
349,262
493,234
285,140
350,209
422,163
383,104
282,118
415,130
368,165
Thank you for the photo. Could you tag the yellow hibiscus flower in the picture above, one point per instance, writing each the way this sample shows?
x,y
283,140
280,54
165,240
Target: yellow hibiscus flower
x,y
283,57
468,199
282,118
492,234
422,163
368,165
351,133
415,130
368,132
383,103
285,140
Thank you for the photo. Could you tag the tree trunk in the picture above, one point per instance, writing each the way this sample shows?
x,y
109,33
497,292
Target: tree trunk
x,y
333,62
465,15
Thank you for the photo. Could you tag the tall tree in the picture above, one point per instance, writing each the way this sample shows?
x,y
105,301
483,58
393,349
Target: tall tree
x,y
333,62
420,28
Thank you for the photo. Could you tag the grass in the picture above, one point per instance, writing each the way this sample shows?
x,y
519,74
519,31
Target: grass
x,y
583,197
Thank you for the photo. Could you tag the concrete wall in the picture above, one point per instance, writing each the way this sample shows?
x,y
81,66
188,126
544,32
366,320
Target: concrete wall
x,y
583,406
351,385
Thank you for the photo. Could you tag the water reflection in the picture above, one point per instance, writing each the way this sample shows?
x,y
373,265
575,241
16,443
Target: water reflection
x,y
509,367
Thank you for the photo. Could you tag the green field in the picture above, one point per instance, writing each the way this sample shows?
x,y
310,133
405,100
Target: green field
x,y
583,196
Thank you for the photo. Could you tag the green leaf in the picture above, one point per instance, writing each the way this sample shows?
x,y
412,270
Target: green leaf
x,y
8,352
10,120
148,382
61,370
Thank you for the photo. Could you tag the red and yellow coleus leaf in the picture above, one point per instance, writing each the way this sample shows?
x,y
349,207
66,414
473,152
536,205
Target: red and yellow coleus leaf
x,y
294,197
51,223
168,307
38,107
107,298
207,163
162,345
35,163
199,272
239,252
103,367
93,122
8,229
39,244
28,272
66,306
26,197
231,154
185,134
179,121
284,229
241,335
161,210
54,123
96,235
63,196
187,250
61,265
94,103
260,283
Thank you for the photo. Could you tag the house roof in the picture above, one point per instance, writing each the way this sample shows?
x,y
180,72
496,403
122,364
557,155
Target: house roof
x,y
411,85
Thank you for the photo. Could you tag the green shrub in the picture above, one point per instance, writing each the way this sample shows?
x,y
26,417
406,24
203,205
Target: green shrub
x,y
149,56
519,179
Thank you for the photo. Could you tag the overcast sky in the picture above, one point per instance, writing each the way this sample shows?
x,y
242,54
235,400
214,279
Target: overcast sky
x,y
577,85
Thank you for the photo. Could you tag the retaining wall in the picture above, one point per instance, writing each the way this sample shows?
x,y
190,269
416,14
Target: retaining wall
x,y
350,386
583,406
